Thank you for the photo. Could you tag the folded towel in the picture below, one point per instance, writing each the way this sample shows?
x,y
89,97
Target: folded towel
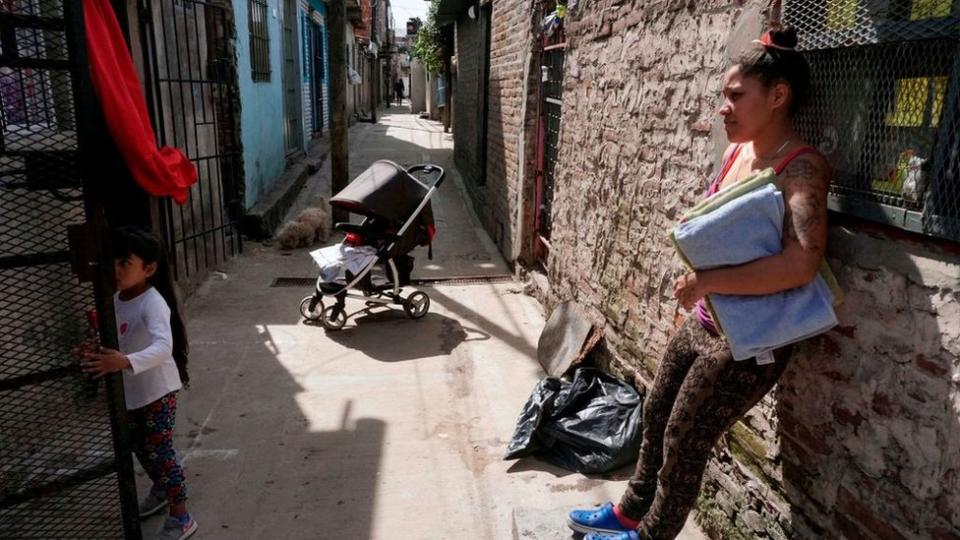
x,y
754,325
748,185
733,191
746,228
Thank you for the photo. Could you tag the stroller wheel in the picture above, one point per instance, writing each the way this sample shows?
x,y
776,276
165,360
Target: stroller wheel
x,y
417,305
333,318
311,314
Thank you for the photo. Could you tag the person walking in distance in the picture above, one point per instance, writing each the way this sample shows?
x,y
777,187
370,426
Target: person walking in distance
x,y
398,89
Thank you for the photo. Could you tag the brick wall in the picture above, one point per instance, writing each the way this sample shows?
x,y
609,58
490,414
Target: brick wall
x,y
862,437
467,151
511,128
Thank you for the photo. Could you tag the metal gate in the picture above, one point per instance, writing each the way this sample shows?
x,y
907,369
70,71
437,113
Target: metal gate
x,y
317,76
548,136
189,69
292,127
65,464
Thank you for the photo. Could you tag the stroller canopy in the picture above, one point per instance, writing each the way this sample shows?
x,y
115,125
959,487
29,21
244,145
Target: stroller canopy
x,y
383,190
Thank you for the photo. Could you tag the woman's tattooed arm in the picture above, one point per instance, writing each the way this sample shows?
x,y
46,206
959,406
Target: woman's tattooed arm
x,y
805,183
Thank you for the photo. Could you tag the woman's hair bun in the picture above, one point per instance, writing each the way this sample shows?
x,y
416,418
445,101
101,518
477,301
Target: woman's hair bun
x,y
776,59
784,37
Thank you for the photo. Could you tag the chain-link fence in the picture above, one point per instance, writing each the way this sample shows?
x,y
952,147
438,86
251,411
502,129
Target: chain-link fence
x,y
884,107
59,472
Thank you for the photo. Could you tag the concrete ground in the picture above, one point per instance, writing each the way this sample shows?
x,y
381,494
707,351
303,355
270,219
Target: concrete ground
x,y
388,429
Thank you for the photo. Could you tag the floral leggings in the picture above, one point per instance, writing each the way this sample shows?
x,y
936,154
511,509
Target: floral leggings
x,y
698,393
151,429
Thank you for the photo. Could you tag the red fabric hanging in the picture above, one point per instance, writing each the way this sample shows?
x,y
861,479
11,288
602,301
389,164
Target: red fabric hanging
x,y
161,172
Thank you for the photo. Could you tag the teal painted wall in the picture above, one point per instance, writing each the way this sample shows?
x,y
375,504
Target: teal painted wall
x,y
261,104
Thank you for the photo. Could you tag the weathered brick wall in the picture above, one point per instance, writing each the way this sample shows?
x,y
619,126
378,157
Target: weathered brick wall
x,y
511,128
868,416
886,390
640,92
862,437
467,151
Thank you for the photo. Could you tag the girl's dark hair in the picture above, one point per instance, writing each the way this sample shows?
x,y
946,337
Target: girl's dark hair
x,y
779,62
129,240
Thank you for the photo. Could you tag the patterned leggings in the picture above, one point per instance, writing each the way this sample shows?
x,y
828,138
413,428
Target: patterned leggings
x,y
151,429
698,393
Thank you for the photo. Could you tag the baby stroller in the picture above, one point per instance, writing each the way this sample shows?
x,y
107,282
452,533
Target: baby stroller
x,y
397,217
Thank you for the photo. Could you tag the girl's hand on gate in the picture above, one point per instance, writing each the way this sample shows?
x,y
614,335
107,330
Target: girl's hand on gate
x,y
88,345
103,362
688,288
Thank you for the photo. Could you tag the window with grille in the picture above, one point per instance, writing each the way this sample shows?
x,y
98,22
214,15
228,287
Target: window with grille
x,y
884,107
259,40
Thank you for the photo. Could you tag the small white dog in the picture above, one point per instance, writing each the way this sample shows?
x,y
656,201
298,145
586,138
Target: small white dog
x,y
311,225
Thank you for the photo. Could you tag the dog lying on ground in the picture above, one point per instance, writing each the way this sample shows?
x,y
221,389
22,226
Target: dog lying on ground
x,y
311,225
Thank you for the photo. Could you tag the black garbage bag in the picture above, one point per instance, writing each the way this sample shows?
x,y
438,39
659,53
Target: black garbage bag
x,y
589,425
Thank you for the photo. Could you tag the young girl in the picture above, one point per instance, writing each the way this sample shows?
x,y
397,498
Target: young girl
x,y
152,357
699,390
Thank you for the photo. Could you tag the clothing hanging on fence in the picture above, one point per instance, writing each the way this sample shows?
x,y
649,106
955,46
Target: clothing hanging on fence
x,y
161,172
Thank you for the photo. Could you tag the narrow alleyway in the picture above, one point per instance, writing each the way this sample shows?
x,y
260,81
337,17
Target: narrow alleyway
x,y
389,429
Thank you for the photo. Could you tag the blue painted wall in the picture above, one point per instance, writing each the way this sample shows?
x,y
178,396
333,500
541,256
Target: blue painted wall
x,y
261,104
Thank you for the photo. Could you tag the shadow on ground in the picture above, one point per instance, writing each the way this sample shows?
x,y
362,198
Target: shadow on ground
x,y
388,335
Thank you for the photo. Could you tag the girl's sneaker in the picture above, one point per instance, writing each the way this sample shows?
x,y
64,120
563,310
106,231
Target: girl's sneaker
x,y
173,529
628,535
597,520
153,503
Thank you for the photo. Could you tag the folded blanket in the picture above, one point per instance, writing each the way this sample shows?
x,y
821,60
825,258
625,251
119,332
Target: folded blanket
x,y
333,259
746,228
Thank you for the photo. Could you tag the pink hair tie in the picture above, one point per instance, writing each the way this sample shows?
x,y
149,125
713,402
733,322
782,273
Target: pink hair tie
x,y
767,41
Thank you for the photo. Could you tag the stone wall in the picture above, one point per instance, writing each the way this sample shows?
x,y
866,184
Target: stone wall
x,y
862,437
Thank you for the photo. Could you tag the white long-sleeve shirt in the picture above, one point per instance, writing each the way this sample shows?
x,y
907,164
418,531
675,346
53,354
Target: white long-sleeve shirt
x,y
143,330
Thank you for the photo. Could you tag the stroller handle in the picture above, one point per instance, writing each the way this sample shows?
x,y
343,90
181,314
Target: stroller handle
x,y
430,169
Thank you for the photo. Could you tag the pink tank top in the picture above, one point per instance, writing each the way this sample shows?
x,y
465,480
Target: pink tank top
x,y
702,313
